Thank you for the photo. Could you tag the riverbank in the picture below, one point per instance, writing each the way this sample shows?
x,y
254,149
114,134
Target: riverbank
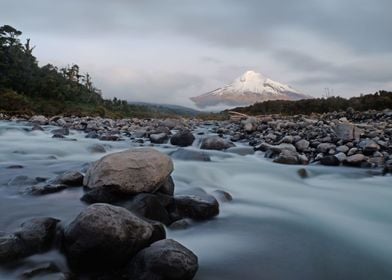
x,y
359,139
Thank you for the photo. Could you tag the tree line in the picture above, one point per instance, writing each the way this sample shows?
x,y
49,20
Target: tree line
x,y
28,88
378,101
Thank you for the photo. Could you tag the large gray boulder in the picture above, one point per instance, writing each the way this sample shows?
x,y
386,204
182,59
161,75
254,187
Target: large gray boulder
x,y
104,237
130,172
165,259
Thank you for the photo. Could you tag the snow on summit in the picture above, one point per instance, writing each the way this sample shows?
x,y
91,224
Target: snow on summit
x,y
249,88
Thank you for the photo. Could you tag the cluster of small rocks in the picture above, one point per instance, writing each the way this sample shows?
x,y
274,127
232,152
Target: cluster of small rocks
x,y
350,139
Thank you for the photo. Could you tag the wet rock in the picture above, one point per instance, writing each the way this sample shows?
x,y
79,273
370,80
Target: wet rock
x,y
44,269
196,207
130,172
179,224
370,147
92,135
104,237
103,195
355,160
96,148
165,259
183,138
215,143
242,151
70,178
184,154
37,127
22,180
11,248
109,137
15,166
42,189
60,131
288,157
167,187
330,161
59,136
148,206
222,196
38,234
303,173
158,138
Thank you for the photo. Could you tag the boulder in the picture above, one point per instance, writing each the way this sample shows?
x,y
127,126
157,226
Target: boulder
x,y
215,143
164,259
130,172
183,138
104,237
196,207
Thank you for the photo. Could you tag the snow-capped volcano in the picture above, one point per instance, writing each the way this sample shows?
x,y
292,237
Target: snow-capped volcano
x,y
248,89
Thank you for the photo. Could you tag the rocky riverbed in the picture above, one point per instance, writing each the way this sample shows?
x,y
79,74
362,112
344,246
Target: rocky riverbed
x,y
103,199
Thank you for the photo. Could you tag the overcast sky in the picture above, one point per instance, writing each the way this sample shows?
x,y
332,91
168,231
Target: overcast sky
x,y
169,50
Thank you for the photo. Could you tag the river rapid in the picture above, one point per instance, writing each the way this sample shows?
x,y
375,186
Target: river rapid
x,y
335,224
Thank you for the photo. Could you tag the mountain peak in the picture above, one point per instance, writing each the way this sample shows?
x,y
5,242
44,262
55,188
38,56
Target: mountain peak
x,y
249,88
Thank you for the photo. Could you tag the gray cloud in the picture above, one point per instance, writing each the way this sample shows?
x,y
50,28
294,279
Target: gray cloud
x,y
182,47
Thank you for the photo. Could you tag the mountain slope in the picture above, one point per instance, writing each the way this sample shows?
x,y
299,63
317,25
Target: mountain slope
x,y
248,89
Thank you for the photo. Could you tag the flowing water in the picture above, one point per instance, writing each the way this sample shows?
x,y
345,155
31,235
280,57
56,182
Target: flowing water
x,y
335,224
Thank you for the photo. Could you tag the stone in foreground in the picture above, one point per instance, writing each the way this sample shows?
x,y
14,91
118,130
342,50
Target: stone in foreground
x,y
104,237
130,172
165,259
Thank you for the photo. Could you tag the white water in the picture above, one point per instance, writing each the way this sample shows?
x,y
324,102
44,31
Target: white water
x,y
336,224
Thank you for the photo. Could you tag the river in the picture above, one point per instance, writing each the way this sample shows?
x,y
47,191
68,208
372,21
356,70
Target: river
x,y
335,224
